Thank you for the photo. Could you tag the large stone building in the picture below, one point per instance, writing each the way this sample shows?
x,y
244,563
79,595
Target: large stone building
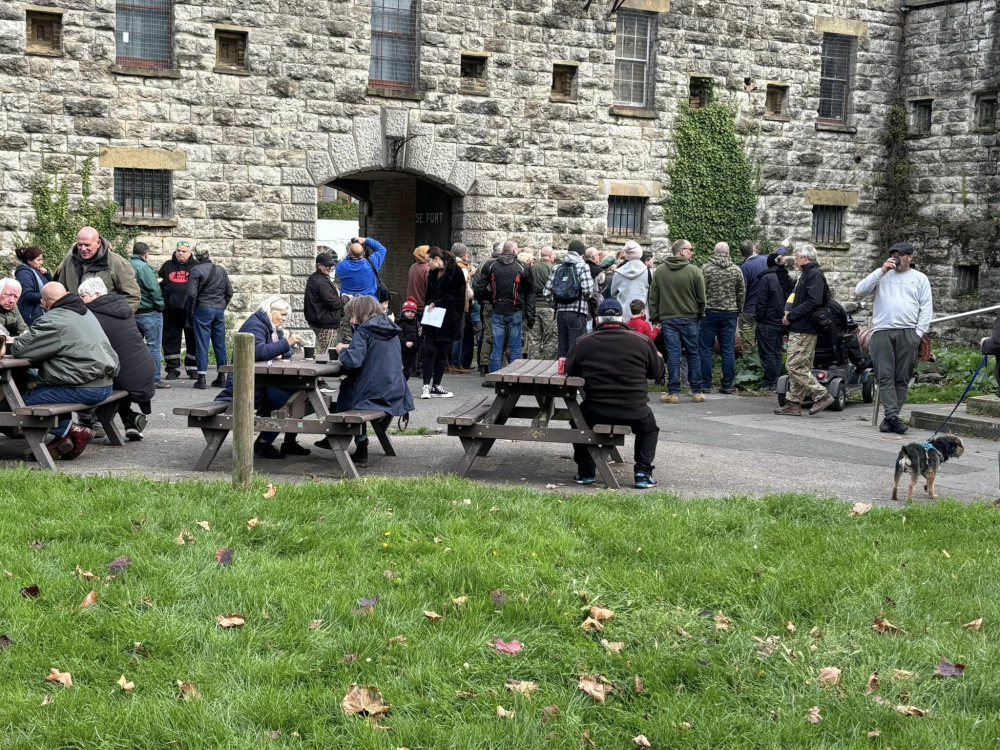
x,y
537,120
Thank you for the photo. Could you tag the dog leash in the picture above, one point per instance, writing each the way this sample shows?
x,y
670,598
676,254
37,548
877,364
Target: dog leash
x,y
966,393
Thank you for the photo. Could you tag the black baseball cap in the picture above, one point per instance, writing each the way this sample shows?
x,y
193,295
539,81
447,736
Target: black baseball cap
x,y
326,259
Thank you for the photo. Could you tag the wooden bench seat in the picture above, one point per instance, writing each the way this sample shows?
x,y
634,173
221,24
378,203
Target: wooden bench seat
x,y
210,409
468,413
608,429
54,410
36,421
357,416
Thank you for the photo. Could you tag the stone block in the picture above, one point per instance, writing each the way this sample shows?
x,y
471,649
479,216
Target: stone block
x,y
263,230
370,145
344,153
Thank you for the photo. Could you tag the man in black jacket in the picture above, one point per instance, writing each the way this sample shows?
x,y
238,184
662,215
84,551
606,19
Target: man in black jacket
x,y
616,362
323,304
505,283
809,296
208,295
774,286
174,275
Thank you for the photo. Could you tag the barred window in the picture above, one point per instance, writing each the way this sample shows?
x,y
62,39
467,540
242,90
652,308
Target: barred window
x,y
625,216
634,65
836,78
395,44
44,32
920,116
967,279
828,225
144,33
143,193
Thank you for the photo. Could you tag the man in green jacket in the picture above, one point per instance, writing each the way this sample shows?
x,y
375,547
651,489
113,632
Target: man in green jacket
x,y
149,316
10,314
677,302
540,339
92,256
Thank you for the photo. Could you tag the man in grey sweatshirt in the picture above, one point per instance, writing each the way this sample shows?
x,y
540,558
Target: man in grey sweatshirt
x,y
901,315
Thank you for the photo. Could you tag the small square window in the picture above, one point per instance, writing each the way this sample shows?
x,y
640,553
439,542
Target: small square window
x,y
231,49
920,116
474,74
828,225
626,214
44,32
966,279
774,102
144,193
564,82
986,111
699,92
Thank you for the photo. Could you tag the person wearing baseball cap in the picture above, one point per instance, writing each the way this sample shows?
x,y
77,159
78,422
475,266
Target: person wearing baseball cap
x,y
901,315
775,286
174,276
324,307
616,363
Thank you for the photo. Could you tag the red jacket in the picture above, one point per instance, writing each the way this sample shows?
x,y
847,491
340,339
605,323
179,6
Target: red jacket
x,y
639,324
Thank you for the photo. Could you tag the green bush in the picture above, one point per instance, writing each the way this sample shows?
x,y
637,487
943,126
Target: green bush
x,y
338,210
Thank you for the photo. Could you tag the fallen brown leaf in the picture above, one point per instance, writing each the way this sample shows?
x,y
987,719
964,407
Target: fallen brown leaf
x,y
203,524
912,710
591,624
89,600
503,713
232,620
859,509
46,700
901,674
432,616
460,601
224,556
273,734
125,685
638,684
366,701
31,592
270,491
682,632
8,574
5,642
615,647
813,648
86,574
599,613
499,597
722,622
315,624
974,625
945,668
437,540
252,523
829,676
397,640
790,626
549,713
874,733
812,715
872,685
184,537
882,626
641,741
511,647
815,633
348,658
63,678
585,738
593,688
147,602
519,686
188,691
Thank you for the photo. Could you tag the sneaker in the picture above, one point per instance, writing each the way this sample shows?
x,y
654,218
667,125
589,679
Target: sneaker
x,y
886,425
584,480
173,374
193,374
426,392
439,392
292,448
135,427
200,383
97,432
669,398
488,384
698,398
899,426
820,405
790,409
266,450
220,381
159,384
644,481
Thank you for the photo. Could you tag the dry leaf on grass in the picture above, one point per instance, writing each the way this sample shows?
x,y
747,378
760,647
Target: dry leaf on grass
x,y
46,700
397,640
252,523
511,647
89,600
460,601
684,726
315,624
5,642
829,676
615,647
432,616
946,669
224,556
203,525
790,626
641,741
63,678
270,491
184,537
585,738
591,624
859,509
812,715
722,622
874,733
125,685
86,574
187,691
549,713
522,687
638,684
366,701
119,564
8,574
901,674
912,710
503,713
872,685
232,620
813,648
499,597
593,688
974,625
599,613
348,658
882,626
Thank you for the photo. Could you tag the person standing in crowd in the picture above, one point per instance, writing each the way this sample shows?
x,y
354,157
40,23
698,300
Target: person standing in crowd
x,y
901,315
616,362
724,297
753,266
10,315
416,277
136,366
32,275
409,340
92,256
174,276
541,338
775,285
208,296
677,303
810,295
358,274
638,323
149,316
505,283
486,318
630,280
445,289
570,288
323,306
457,354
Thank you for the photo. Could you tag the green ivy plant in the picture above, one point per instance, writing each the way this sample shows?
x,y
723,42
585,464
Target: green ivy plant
x,y
893,208
337,210
713,181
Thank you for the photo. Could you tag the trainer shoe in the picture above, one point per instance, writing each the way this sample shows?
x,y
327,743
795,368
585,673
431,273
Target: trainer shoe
x,y
584,480
820,405
886,425
439,392
698,398
426,392
644,481
669,398
135,427
899,426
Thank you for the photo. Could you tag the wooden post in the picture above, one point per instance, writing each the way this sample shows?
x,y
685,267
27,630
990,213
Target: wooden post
x,y
243,411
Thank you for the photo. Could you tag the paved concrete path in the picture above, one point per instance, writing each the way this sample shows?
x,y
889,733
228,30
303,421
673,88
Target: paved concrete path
x,y
729,445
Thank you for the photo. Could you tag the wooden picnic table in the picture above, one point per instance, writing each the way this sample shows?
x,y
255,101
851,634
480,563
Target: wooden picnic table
x,y
308,411
481,421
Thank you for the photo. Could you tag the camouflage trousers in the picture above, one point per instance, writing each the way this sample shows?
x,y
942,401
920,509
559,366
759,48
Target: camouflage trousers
x,y
542,339
799,363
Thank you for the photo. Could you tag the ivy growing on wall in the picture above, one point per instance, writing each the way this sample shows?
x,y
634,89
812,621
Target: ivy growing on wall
x,y
713,181
337,210
893,207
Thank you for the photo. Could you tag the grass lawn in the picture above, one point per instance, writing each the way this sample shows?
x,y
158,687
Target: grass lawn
x,y
665,567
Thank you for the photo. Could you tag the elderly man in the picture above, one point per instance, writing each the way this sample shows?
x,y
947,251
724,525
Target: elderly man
x,y
149,316
505,284
10,315
92,256
616,362
901,315
725,293
324,306
137,369
358,274
541,338
208,296
76,364
174,277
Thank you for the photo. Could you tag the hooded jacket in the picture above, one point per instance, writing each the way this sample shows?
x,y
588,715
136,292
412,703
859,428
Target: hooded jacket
x,y
416,277
677,291
752,268
268,344
725,290
324,306
375,370
13,321
113,270
356,275
68,346
446,288
810,294
175,276
775,286
208,286
629,282
150,294
506,284
136,371
30,301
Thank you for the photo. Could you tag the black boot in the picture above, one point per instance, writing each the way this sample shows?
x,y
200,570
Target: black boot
x,y
266,450
173,374
193,374
292,448
200,383
220,381
360,455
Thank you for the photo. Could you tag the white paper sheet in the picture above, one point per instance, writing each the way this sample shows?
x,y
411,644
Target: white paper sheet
x,y
433,318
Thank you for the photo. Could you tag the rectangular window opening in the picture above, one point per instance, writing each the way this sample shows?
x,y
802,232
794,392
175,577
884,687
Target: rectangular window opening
x,y
474,73
144,34
44,32
144,193
920,116
626,214
836,78
828,225
700,92
635,39
564,82
966,279
231,49
774,101
986,111
395,50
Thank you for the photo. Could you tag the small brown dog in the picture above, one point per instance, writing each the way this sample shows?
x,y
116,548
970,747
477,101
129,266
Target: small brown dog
x,y
924,459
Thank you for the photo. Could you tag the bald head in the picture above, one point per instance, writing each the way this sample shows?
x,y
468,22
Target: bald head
x,y
88,242
547,254
52,293
722,248
590,254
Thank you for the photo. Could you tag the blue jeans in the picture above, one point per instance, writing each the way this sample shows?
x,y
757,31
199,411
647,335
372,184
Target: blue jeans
x,y
506,328
209,324
151,328
65,394
769,347
721,325
274,398
681,335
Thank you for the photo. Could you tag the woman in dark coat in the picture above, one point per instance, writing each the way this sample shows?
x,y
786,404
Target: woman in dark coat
x,y
32,276
445,288
269,343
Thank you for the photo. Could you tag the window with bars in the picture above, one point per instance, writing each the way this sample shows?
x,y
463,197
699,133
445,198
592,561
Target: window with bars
x,y
828,225
920,116
986,111
44,31
231,49
144,33
474,74
699,92
966,279
774,100
635,68
143,193
395,51
626,214
564,82
836,76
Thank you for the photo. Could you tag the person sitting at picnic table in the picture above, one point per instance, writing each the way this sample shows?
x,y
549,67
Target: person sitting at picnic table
x,y
137,372
33,275
75,360
10,315
270,343
616,362
374,367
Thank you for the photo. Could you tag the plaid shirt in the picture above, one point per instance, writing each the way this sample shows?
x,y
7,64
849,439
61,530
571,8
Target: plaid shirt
x,y
587,289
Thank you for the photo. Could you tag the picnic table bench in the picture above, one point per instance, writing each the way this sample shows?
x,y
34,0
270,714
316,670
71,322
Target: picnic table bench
x,y
482,420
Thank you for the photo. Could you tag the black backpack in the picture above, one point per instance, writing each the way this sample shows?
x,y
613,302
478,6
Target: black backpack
x,y
566,286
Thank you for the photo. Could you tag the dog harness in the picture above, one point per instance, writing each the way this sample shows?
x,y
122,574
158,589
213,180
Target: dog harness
x,y
929,447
